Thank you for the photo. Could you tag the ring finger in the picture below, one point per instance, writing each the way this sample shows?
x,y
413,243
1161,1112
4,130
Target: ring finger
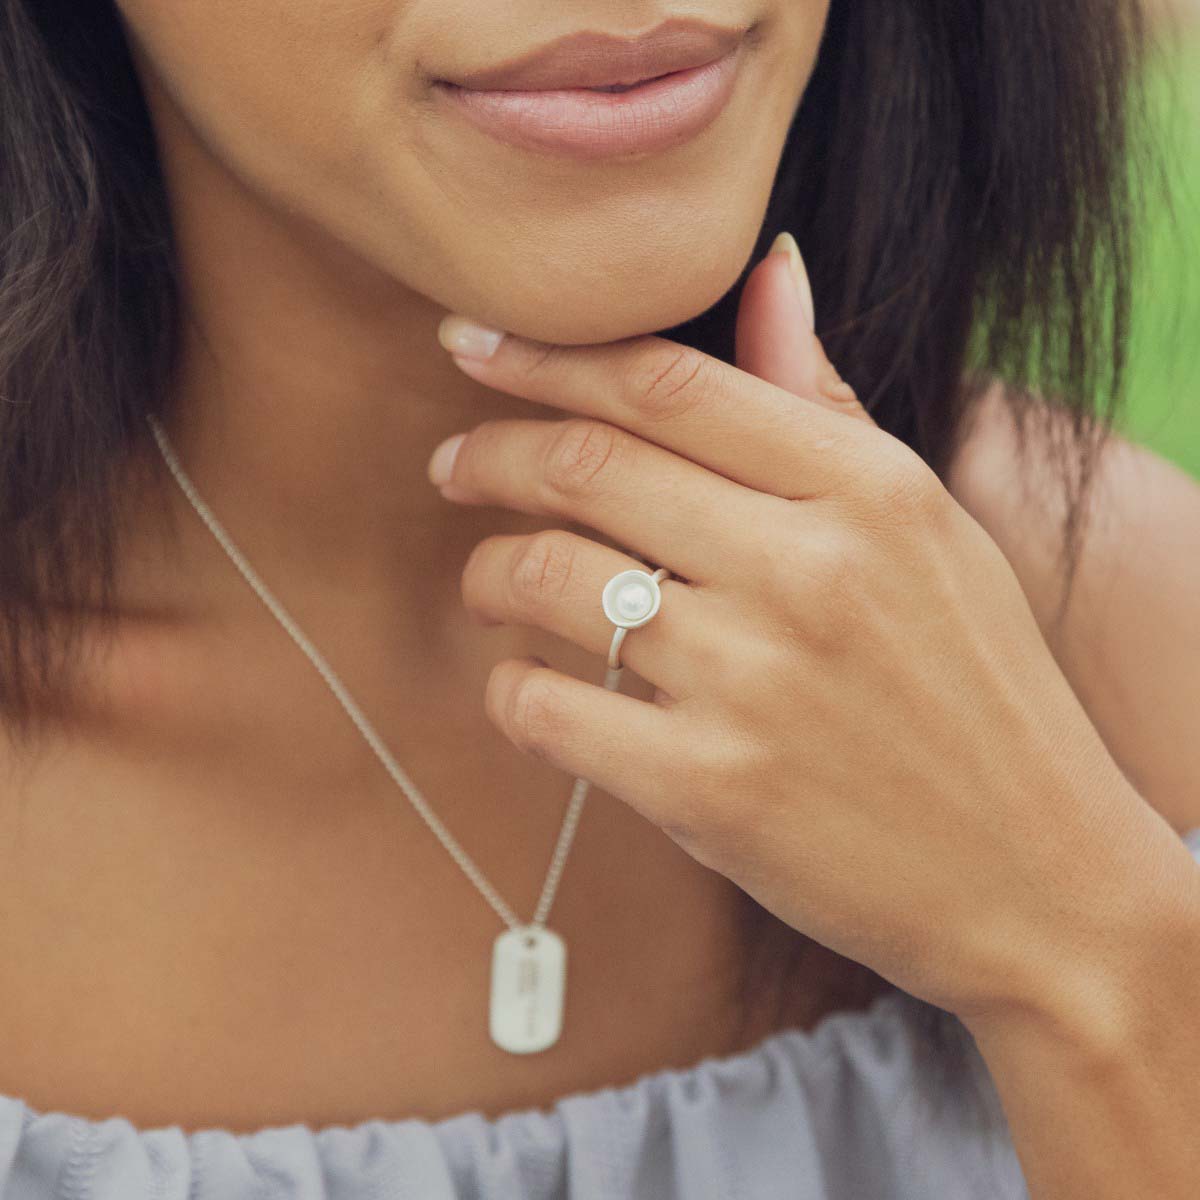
x,y
553,579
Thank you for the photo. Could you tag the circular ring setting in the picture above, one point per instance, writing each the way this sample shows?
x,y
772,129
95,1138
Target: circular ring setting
x,y
630,599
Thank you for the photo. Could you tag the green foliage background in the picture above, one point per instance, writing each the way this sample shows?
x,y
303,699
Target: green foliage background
x,y
1163,408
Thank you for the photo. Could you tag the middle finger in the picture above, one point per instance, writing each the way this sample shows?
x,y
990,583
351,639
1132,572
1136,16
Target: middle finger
x,y
665,508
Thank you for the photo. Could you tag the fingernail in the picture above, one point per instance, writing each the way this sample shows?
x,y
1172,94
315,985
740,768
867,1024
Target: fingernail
x,y
441,462
468,338
786,244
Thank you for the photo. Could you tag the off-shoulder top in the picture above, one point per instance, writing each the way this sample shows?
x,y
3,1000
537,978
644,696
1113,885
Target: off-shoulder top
x,y
836,1112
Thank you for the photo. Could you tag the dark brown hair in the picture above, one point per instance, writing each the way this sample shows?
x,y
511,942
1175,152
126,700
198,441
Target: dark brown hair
x,y
956,176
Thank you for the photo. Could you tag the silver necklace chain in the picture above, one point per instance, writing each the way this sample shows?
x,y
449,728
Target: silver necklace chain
x,y
460,856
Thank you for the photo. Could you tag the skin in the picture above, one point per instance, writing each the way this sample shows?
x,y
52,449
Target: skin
x,y
1068,912
326,222
711,764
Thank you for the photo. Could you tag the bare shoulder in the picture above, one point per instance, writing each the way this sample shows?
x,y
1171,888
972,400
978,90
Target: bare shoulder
x,y
1129,642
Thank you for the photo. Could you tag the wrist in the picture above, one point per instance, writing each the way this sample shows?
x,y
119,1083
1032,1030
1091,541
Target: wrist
x,y
1122,972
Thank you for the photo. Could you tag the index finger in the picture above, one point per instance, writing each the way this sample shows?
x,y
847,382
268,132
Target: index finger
x,y
687,401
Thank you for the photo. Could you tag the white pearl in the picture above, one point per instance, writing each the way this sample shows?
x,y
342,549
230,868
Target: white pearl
x,y
630,598
634,600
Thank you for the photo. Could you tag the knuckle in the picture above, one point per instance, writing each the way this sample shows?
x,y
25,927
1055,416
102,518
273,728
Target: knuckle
x,y
533,718
715,817
823,558
579,453
911,493
543,569
752,676
666,380
828,574
771,555
729,766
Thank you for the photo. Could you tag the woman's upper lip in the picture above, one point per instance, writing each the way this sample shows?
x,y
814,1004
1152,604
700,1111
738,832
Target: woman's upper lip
x,y
581,60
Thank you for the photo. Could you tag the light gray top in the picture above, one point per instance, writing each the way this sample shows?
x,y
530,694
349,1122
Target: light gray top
x,y
833,1113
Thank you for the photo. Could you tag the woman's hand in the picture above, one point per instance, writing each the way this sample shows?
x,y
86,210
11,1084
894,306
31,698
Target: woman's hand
x,y
857,719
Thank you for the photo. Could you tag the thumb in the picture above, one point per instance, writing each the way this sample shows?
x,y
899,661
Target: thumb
x,y
775,337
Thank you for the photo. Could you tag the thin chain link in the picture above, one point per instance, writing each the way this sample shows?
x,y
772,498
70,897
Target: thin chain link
x,y
460,856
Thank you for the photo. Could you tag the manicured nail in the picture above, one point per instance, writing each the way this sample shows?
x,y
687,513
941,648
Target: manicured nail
x,y
468,338
786,244
441,462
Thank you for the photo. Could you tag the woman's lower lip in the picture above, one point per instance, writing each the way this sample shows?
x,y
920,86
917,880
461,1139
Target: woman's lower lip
x,y
581,123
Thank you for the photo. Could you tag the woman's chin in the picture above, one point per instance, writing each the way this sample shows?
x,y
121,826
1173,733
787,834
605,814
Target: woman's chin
x,y
574,317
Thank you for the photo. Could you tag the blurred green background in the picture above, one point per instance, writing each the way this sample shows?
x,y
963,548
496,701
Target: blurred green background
x,y
1163,408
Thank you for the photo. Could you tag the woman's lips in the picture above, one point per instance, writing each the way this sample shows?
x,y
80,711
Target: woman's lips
x,y
583,123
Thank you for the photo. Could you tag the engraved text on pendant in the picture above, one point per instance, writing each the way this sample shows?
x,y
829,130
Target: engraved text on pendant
x,y
529,968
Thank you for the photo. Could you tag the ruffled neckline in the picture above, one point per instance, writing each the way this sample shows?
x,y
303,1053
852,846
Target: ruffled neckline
x,y
828,1112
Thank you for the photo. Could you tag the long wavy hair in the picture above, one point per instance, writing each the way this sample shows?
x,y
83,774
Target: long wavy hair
x,y
956,175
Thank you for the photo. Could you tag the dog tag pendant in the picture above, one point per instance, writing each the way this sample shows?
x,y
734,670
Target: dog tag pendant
x,y
529,970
